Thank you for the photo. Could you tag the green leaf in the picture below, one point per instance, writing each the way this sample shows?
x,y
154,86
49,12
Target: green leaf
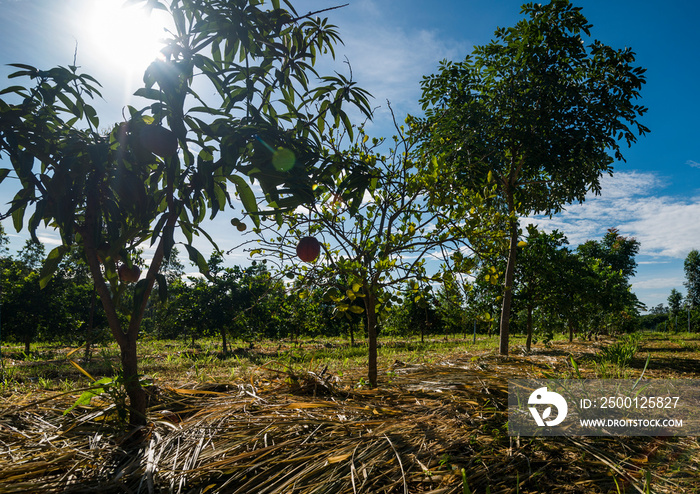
x,y
51,264
87,396
92,116
356,309
18,218
575,366
28,68
13,89
332,294
3,173
162,287
197,258
247,197
220,200
465,485
85,399
347,124
149,93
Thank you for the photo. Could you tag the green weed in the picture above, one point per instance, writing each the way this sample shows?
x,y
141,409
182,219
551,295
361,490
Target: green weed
x,y
465,485
615,359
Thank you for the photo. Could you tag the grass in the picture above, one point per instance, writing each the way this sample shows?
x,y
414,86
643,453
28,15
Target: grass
x,y
175,361
298,417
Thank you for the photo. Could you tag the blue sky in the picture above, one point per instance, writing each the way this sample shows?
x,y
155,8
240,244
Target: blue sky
x,y
391,44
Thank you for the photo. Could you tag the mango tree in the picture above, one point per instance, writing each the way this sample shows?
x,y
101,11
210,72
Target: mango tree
x,y
29,312
537,112
377,241
167,167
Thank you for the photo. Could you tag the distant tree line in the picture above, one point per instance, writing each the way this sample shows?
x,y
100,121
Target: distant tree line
x,y
578,292
682,312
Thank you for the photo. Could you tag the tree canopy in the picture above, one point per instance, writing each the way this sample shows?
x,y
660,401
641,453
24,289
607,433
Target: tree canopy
x,y
380,242
168,166
537,114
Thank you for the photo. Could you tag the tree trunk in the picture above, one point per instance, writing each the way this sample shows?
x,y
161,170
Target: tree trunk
x,y
88,336
127,345
27,344
134,390
372,338
126,340
223,340
528,343
351,327
508,288
571,331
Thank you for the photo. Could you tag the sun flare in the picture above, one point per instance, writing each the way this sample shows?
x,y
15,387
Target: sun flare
x,y
125,37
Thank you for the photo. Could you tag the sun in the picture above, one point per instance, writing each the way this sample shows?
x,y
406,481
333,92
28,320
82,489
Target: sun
x,y
124,37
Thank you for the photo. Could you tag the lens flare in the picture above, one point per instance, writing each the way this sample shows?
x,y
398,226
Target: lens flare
x,y
283,159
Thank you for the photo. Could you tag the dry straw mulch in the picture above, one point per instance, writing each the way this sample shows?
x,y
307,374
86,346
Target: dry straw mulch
x,y
439,429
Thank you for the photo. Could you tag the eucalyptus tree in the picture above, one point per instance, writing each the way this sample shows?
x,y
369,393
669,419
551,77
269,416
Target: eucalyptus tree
x,y
541,274
4,242
32,254
691,266
675,303
605,296
167,167
537,114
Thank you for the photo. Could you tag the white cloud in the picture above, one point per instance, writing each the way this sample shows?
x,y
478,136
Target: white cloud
x,y
395,60
665,225
630,202
49,239
656,283
693,164
387,59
